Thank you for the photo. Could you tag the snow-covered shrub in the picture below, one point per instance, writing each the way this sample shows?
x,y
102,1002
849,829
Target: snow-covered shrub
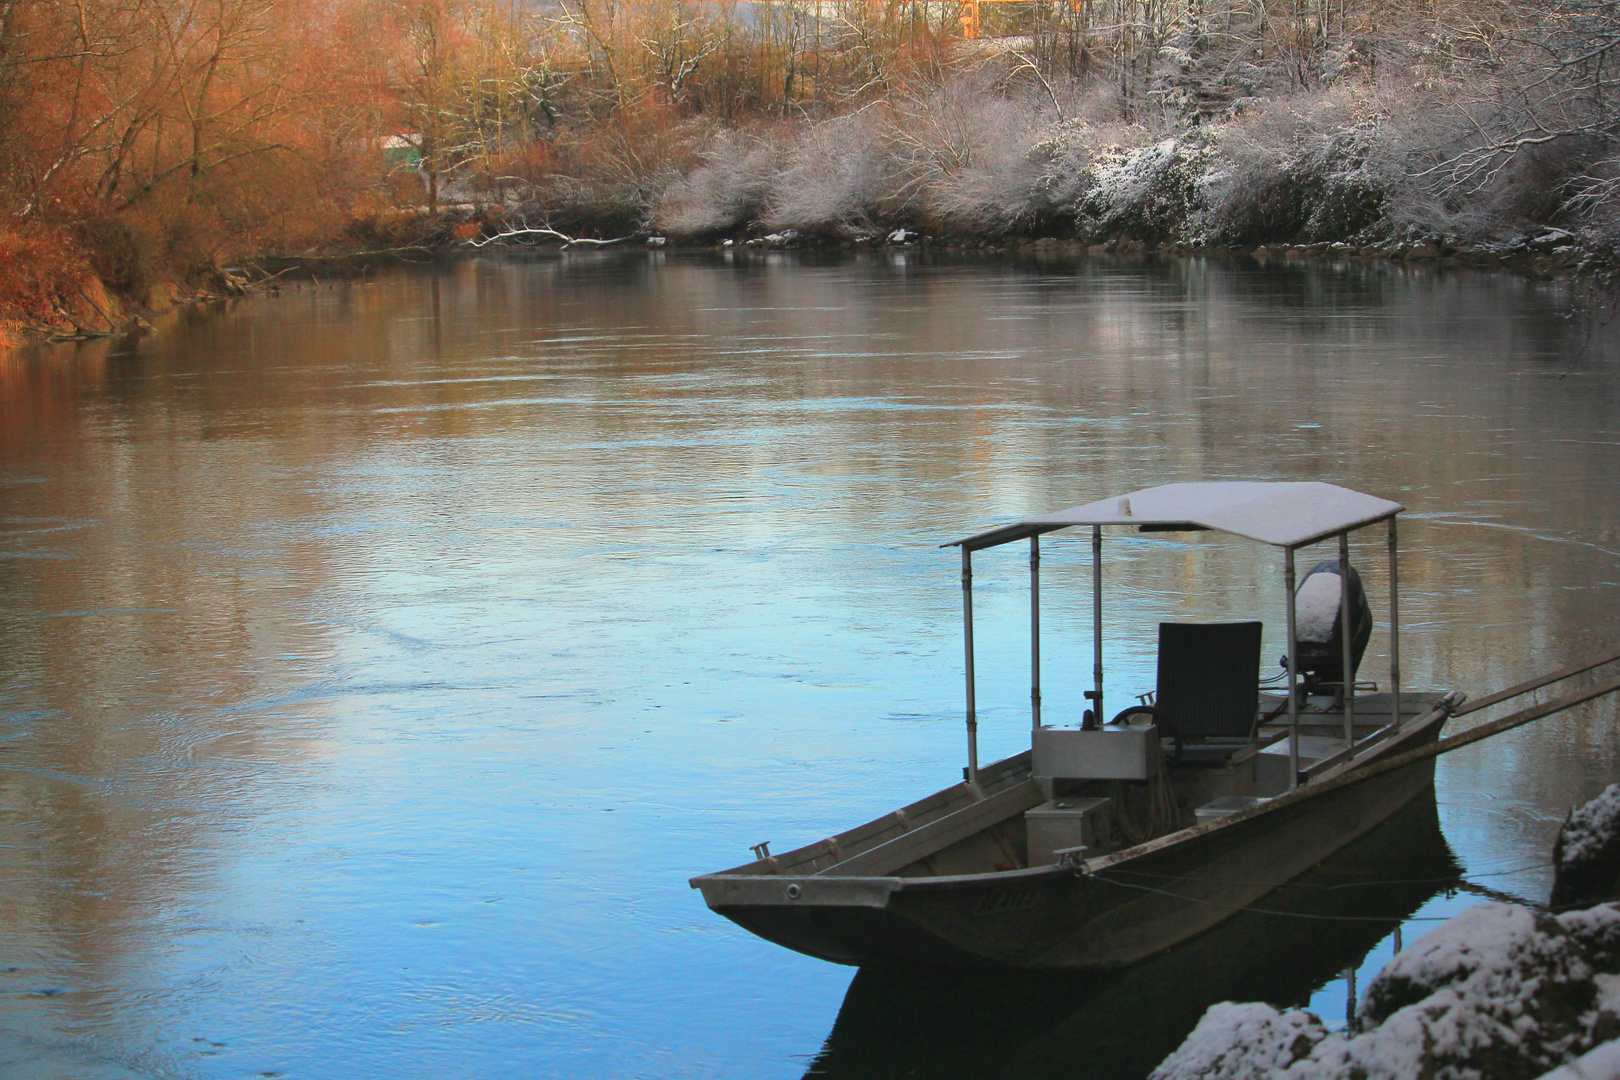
x,y
831,180
1147,194
608,178
962,159
728,190
1303,169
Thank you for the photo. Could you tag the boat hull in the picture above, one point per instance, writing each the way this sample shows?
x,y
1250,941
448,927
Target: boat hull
x,y
1104,915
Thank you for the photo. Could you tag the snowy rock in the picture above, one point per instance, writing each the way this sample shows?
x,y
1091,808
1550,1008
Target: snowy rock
x,y
1601,1064
1495,952
1597,930
657,241
1243,1042
901,236
1497,993
1586,856
1551,239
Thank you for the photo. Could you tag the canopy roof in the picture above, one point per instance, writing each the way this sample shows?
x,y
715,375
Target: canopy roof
x,y
1284,514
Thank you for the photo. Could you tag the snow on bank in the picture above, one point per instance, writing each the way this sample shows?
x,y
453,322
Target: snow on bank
x,y
1497,993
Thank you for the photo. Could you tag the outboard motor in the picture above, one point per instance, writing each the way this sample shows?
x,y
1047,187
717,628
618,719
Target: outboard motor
x,y
1318,629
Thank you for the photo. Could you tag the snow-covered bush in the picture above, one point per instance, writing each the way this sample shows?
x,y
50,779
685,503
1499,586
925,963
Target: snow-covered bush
x,y
962,159
1303,169
1148,194
728,190
832,180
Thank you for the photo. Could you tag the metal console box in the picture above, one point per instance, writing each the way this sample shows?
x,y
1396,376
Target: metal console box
x,y
1120,754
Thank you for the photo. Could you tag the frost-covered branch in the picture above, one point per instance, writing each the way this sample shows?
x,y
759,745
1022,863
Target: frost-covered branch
x,y
508,235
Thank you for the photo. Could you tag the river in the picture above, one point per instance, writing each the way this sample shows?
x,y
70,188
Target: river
x,y
379,659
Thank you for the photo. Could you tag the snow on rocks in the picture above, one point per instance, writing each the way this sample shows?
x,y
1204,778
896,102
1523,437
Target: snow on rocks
x,y
1243,1042
1601,1064
1586,855
1497,993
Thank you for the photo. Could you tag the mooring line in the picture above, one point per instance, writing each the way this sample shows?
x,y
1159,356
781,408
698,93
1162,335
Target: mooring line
x,y
1326,888
1389,919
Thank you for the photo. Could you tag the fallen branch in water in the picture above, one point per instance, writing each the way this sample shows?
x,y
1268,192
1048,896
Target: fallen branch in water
x,y
543,230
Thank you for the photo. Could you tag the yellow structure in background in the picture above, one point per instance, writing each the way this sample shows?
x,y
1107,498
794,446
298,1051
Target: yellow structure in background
x,y
970,18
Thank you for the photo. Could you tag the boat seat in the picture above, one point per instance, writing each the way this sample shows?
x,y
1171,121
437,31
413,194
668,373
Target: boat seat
x,y
1208,689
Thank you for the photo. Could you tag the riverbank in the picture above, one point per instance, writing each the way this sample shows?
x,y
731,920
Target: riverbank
x,y
89,309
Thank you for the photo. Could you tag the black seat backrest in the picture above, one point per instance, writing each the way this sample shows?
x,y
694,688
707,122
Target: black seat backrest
x,y
1209,677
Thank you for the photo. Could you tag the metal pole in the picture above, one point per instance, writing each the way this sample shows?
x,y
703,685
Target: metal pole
x,y
1349,683
1096,622
1394,630
1293,673
1035,631
1350,999
967,644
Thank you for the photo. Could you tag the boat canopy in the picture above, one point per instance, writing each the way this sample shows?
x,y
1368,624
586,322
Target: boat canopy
x,y
1287,514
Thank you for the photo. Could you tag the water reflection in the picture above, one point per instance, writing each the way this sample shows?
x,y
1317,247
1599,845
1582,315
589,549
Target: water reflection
x,y
897,1023
377,661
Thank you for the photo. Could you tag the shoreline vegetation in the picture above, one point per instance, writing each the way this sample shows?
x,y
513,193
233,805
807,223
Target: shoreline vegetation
x,y
148,145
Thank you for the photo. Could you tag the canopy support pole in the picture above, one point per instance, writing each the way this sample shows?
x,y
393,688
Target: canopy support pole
x,y
1349,683
1394,631
1096,694
967,645
1035,631
1293,673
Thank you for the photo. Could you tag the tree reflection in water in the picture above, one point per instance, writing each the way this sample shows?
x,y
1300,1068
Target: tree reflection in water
x,y
940,1024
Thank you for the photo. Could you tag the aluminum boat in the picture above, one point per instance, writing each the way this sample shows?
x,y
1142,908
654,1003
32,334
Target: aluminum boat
x,y
1108,842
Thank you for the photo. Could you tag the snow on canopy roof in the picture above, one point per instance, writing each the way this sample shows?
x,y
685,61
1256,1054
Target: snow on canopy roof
x,y
1286,514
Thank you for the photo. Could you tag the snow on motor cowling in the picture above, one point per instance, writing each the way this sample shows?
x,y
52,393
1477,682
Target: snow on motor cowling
x,y
1319,628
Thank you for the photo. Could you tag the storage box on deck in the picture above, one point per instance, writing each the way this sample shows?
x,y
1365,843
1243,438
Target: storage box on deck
x,y
1065,823
1123,753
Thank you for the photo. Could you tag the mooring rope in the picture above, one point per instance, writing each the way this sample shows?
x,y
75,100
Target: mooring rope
x,y
1391,919
1331,888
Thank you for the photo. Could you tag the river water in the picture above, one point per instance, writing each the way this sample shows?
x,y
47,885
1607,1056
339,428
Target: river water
x,y
379,659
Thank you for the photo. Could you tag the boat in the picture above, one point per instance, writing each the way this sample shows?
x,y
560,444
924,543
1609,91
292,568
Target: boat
x,y
1107,843
1020,1025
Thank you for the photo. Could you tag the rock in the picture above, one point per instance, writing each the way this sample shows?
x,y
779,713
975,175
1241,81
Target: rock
x,y
1600,1064
657,241
1550,240
1497,993
1597,931
901,236
1243,1042
1586,856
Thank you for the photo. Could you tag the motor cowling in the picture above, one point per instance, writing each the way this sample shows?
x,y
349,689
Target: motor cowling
x,y
1319,629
